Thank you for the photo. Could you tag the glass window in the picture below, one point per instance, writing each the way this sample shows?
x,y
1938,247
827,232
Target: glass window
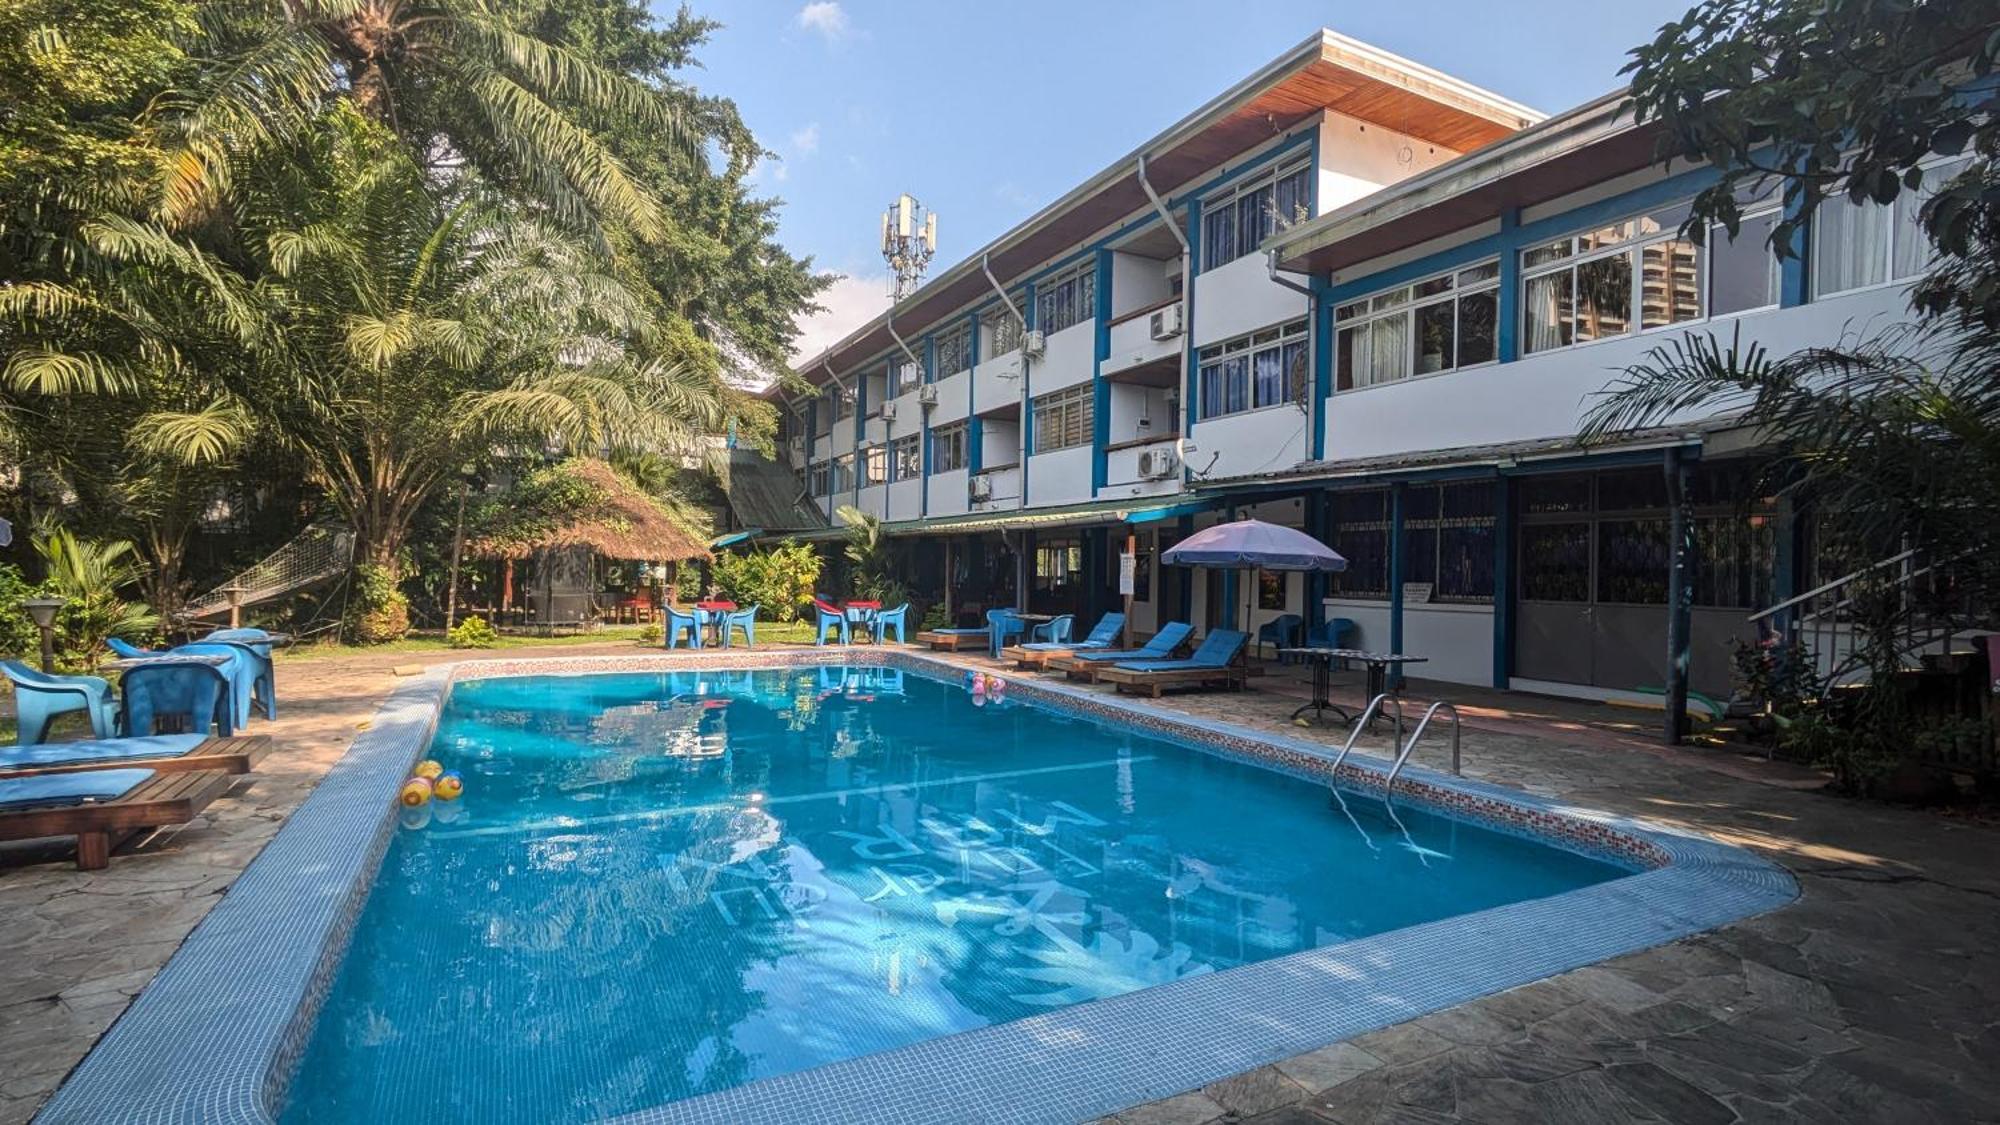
x,y
1742,271
1670,284
1448,539
908,376
819,480
1436,337
1860,244
1478,313
1270,589
1361,535
948,446
907,457
842,477
1003,333
843,404
1603,298
875,464
1069,298
953,352
1548,304
1555,562
1263,369
1234,222
1632,561
1436,324
1063,419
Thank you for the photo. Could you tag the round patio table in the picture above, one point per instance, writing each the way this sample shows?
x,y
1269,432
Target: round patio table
x,y
1322,660
862,613
712,617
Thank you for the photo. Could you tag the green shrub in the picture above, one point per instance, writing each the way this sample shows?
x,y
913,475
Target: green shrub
x,y
473,632
935,618
88,574
18,636
652,634
378,612
780,579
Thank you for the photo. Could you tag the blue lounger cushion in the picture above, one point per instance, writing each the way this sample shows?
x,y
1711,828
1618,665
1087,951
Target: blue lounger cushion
x,y
1216,651
98,750
69,788
1159,648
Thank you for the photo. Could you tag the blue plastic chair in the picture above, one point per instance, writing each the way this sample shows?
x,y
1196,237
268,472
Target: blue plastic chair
x,y
888,619
256,643
198,692
1279,632
1001,624
1106,631
744,619
241,672
40,696
679,622
1055,630
1334,632
827,616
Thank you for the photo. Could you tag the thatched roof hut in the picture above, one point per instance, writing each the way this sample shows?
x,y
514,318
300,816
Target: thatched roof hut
x,y
596,508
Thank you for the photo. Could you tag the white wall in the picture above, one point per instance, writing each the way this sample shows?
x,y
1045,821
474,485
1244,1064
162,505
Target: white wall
x,y
1547,395
1062,477
951,395
1137,282
1071,359
1257,441
905,500
1240,297
1130,403
1006,490
1356,158
996,383
999,442
1458,639
948,493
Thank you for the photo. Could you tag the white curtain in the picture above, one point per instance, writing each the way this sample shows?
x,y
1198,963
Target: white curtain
x,y
1852,247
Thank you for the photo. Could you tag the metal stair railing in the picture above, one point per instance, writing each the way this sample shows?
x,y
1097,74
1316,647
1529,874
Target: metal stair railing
x,y
1457,726
1820,620
1361,724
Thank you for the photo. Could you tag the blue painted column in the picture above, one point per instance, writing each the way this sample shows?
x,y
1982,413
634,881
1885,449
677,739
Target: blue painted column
x,y
1508,334
975,441
1794,271
1188,373
924,434
1027,422
1396,579
1680,595
1503,581
1323,329
1100,417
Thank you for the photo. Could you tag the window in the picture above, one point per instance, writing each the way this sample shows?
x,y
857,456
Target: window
x,y
819,480
1437,324
1236,221
1856,245
908,374
1605,282
1068,298
948,444
954,352
1003,333
1448,540
1058,565
875,465
1251,372
1270,589
1063,419
1361,534
1742,271
906,457
843,403
841,479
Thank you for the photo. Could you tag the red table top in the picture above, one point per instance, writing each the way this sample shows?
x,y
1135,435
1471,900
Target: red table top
x,y
864,605
715,605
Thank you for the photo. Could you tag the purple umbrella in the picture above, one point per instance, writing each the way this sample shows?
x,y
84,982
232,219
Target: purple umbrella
x,y
1254,545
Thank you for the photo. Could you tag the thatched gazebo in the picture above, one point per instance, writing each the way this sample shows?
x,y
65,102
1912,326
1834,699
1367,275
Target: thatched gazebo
x,y
592,524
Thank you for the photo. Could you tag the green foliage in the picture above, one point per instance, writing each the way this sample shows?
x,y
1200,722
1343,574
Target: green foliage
x,y
377,611
1845,97
18,636
872,573
781,579
90,574
935,618
538,502
473,632
1778,678
652,634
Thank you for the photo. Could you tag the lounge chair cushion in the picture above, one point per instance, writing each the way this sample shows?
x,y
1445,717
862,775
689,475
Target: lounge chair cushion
x,y
99,750
1216,651
69,788
1165,641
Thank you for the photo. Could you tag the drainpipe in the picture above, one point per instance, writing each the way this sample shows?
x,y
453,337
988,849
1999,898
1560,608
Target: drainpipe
x,y
1311,406
889,321
1021,426
1187,294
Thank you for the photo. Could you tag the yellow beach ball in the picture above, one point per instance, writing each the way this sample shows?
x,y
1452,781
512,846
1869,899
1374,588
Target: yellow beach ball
x,y
448,786
416,791
428,769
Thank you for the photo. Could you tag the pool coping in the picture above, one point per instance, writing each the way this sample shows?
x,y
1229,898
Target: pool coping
x,y
220,1030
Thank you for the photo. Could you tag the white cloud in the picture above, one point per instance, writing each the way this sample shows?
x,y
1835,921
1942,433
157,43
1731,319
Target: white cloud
x,y
805,142
850,302
826,17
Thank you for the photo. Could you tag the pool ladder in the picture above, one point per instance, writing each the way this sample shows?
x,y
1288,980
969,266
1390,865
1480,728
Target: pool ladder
x,y
1375,705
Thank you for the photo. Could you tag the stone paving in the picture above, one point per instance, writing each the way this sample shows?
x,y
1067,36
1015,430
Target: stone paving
x,y
1873,998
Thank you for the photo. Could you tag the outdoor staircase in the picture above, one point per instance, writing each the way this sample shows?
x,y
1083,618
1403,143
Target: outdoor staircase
x,y
1931,617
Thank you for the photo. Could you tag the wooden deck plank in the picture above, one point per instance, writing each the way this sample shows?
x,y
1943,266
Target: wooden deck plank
x,y
166,798
238,754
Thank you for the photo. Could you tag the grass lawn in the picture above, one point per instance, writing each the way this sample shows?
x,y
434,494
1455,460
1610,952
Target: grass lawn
x,y
768,632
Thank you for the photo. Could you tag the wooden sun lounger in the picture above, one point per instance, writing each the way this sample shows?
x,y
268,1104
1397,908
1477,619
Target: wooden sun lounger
x,y
164,798
238,754
1152,683
1033,660
1089,671
952,642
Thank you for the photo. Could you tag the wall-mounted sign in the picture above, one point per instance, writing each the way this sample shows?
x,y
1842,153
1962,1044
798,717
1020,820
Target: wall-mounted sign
x,y
1416,593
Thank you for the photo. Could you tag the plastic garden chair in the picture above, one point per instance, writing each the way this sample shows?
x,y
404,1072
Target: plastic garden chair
x,y
828,616
1334,632
126,650
256,644
1279,632
241,672
744,619
887,619
40,696
1001,624
678,622
198,692
1055,630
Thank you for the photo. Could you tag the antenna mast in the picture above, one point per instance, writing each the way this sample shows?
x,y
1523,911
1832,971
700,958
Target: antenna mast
x,y
909,238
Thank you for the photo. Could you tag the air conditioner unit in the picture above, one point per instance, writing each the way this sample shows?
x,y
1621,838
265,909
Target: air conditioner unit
x,y
1166,322
1035,344
888,412
927,395
979,489
1158,464
797,444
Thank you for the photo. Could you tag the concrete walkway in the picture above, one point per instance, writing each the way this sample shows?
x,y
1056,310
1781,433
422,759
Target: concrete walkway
x,y
1874,998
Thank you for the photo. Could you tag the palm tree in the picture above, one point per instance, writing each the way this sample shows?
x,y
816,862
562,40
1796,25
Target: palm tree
x,y
89,575
454,79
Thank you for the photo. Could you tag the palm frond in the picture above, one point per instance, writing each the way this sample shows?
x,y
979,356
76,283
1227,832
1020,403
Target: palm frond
x,y
209,436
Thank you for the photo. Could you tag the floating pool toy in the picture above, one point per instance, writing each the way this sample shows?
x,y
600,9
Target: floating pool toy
x,y
995,685
971,678
979,683
448,786
415,818
428,769
416,792
979,699
449,813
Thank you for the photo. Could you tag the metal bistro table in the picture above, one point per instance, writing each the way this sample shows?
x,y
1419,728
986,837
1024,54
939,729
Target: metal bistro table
x,y
1322,660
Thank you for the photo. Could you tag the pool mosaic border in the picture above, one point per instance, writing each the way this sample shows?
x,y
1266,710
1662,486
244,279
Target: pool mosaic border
x,y
218,1033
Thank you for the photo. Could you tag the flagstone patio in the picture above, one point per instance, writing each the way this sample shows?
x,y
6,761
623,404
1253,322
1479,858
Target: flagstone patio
x,y
1875,997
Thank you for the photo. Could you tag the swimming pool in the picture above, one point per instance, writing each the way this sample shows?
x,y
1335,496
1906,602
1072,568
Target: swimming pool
x,y
662,885
804,890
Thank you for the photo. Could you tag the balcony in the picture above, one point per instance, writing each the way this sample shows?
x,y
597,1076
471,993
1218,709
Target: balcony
x,y
996,384
1121,468
1005,483
1138,358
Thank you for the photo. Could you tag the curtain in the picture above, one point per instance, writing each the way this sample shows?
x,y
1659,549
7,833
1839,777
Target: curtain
x,y
1388,349
1269,374
1853,246
1547,306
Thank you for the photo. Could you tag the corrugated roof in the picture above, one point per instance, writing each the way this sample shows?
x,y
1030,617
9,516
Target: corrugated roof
x,y
763,493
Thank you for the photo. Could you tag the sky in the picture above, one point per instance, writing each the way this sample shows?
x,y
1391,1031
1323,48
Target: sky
x,y
986,112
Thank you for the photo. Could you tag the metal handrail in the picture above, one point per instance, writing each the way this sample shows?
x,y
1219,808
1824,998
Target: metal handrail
x,y
1456,726
1843,580
1361,724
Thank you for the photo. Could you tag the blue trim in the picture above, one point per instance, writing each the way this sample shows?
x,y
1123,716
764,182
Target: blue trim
x,y
1236,172
1100,402
1507,337
1322,361
1187,329
1794,272
975,444
1396,579
1503,581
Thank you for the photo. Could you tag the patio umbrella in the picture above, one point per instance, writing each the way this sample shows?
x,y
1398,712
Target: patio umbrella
x,y
1254,545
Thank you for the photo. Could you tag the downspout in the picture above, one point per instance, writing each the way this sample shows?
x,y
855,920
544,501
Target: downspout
x,y
1313,402
1021,427
1166,215
889,428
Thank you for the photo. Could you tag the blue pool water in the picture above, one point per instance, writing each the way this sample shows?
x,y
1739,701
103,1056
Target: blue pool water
x,y
661,885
